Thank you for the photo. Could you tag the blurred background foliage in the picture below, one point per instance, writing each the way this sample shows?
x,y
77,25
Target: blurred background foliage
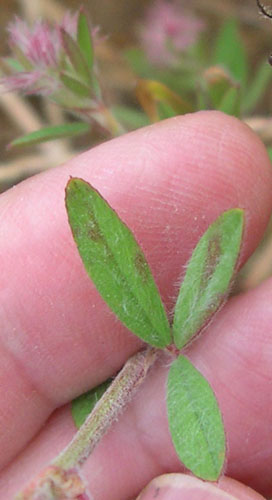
x,y
225,68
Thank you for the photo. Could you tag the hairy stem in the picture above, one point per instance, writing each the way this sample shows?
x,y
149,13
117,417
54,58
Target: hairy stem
x,y
107,409
61,479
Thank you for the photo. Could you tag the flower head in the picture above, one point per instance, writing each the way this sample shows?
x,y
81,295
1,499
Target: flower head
x,y
41,44
167,32
39,52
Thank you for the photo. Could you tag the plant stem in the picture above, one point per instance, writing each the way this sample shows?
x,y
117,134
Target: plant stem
x,y
114,125
107,120
107,409
61,479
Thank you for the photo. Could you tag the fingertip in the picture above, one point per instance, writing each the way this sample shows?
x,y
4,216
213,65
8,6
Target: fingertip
x,y
177,486
240,490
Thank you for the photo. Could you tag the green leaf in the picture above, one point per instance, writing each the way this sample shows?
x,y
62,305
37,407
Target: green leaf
x,y
231,102
82,406
138,62
21,58
10,65
258,85
195,421
51,134
116,264
84,39
230,51
208,275
180,81
76,57
269,152
151,94
70,101
130,117
217,81
75,85
165,111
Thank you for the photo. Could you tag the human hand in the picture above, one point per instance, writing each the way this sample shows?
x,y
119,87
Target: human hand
x,y
168,183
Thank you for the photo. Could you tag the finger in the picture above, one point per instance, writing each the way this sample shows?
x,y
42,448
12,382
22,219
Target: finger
x,y
177,486
168,182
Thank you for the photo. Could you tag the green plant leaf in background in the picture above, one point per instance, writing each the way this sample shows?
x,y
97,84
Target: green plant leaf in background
x,y
208,276
78,62
69,100
231,102
165,111
132,118
230,51
155,97
82,406
195,420
51,134
78,88
138,62
19,55
116,264
223,91
84,39
8,65
179,82
263,76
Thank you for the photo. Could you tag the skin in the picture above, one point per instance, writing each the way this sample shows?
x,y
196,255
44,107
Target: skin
x,y
168,182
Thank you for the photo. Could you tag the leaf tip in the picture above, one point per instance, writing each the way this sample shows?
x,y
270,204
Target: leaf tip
x,y
82,10
71,185
70,181
239,212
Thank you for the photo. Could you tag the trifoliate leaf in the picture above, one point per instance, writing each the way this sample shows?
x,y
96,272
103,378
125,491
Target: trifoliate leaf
x,y
208,276
195,421
116,264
